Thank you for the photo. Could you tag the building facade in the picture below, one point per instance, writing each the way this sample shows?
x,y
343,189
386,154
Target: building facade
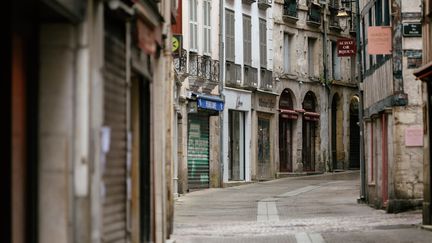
x,y
318,100
424,73
90,84
393,116
249,116
199,101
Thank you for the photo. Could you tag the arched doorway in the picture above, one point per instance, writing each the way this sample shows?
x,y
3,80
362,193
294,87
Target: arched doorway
x,y
337,133
354,154
310,119
286,118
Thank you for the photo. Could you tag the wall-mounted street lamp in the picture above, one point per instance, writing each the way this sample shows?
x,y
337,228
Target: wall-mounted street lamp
x,y
343,13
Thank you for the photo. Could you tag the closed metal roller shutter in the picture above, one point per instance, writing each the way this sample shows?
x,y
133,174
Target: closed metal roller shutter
x,y
114,176
198,151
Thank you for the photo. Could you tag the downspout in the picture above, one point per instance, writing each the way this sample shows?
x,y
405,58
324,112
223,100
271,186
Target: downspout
x,y
325,59
360,110
221,84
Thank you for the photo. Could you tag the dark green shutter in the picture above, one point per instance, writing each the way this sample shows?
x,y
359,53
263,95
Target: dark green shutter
x,y
198,151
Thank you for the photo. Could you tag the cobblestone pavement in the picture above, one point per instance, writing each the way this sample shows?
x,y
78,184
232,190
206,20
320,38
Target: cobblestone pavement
x,y
312,209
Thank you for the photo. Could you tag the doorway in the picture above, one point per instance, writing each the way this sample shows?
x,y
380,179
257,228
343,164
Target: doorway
x,y
337,133
264,170
309,134
236,167
286,120
354,154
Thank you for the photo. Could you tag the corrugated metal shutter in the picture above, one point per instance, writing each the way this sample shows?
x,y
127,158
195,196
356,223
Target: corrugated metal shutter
x,y
114,176
198,151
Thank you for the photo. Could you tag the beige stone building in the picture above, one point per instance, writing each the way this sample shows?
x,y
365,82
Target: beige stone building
x,y
318,102
393,116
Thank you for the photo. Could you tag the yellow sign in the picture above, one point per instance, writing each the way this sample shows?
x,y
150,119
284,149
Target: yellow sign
x,y
175,43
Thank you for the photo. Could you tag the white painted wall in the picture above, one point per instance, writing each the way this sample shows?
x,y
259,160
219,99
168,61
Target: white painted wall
x,y
232,100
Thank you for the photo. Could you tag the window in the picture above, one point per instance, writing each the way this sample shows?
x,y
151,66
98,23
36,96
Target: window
x,y
335,62
310,56
247,40
207,27
193,24
229,35
287,52
263,42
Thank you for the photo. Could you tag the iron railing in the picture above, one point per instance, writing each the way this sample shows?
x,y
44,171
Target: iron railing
x,y
232,74
266,80
290,8
250,80
180,62
203,68
314,14
264,4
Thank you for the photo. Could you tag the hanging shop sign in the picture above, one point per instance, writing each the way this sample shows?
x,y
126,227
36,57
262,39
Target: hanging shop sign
x,y
177,42
210,104
412,29
379,40
346,47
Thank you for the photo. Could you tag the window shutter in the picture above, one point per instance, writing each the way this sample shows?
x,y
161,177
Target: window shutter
x,y
207,28
229,35
247,43
263,44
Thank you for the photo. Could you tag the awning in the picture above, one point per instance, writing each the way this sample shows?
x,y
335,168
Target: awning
x,y
424,73
288,114
311,116
210,102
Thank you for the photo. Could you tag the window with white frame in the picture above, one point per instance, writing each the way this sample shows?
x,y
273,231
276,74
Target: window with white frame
x,y
193,25
247,40
287,48
263,42
207,27
229,35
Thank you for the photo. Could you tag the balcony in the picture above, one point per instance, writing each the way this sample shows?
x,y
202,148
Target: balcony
x,y
233,75
180,64
250,80
264,4
314,15
248,1
334,21
333,4
203,72
266,80
290,8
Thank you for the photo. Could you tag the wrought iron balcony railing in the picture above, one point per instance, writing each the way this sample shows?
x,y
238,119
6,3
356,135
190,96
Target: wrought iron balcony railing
x,y
250,80
314,15
180,62
233,74
248,1
264,4
266,80
333,4
203,68
290,8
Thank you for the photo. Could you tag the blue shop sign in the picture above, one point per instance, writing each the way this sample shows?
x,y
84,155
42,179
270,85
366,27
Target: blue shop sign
x,y
210,104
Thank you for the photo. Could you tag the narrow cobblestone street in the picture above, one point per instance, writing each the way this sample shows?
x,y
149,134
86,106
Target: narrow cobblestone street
x,y
320,208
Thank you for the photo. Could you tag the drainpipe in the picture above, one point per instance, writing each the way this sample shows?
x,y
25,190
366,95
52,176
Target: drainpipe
x,y
361,123
221,72
325,59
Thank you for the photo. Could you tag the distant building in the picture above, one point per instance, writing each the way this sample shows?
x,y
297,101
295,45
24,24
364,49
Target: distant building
x,y
318,100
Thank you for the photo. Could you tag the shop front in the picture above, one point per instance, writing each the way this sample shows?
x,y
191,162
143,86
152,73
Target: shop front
x,y
201,108
264,133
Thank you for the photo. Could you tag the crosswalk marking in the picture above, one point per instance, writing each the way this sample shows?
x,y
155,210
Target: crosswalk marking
x,y
309,238
298,191
267,211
